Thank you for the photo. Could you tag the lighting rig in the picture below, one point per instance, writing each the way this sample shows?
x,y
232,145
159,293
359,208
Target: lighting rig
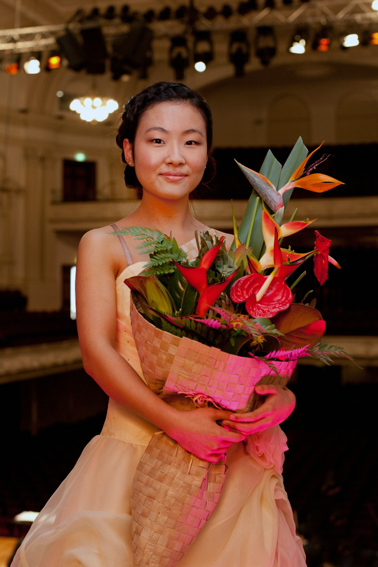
x,y
121,40
88,41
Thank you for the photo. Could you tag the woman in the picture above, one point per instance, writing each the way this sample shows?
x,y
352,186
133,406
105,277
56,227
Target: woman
x,y
165,136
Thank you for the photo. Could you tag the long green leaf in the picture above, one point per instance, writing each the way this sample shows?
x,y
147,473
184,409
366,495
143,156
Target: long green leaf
x,y
271,168
296,156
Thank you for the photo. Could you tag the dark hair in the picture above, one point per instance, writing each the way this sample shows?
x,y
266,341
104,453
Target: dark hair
x,y
163,91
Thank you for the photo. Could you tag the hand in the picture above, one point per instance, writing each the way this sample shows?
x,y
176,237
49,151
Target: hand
x,y
198,432
278,405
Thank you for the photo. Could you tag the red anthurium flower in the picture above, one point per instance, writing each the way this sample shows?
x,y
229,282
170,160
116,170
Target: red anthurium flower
x,y
197,277
321,258
277,297
265,296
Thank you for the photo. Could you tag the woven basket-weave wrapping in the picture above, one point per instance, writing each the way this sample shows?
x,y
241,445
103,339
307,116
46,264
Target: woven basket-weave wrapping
x,y
173,491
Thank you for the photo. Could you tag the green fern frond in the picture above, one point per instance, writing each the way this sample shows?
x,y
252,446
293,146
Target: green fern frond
x,y
326,353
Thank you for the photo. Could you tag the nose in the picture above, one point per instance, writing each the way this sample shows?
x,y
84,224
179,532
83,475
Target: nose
x,y
175,155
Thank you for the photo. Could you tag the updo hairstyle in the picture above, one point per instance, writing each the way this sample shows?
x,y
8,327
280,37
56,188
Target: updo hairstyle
x,y
163,91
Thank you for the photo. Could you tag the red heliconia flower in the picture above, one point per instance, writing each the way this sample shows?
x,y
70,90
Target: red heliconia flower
x,y
321,258
197,277
276,298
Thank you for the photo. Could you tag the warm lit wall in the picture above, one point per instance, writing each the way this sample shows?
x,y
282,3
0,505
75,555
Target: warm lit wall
x,y
334,101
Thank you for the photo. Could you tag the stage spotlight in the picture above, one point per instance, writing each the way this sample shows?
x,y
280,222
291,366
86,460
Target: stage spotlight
x,y
299,41
374,5
12,63
126,16
131,50
349,40
245,8
94,14
110,13
94,47
32,65
149,16
265,44
72,50
322,40
239,51
203,50
181,12
369,37
165,14
226,11
211,13
179,56
54,60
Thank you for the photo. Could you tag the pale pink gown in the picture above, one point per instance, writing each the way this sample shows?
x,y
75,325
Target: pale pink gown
x,y
87,521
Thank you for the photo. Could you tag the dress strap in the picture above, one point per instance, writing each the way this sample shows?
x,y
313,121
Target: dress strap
x,y
124,245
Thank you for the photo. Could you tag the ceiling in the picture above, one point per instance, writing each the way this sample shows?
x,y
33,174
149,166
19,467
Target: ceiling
x,y
26,13
341,14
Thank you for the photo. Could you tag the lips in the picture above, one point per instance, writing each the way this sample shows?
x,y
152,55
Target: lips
x,y
172,176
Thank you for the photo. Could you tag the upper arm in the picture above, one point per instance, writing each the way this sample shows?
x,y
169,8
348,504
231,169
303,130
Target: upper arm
x,y
95,293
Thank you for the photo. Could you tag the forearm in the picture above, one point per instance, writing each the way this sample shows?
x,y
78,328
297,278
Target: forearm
x,y
121,383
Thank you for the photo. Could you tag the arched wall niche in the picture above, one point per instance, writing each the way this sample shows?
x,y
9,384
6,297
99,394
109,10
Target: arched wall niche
x,y
288,118
356,117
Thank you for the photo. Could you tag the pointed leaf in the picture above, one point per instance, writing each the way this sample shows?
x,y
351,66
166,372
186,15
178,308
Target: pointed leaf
x,y
264,187
301,325
271,168
296,157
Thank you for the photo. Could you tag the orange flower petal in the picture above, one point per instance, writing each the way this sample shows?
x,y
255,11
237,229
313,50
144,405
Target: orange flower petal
x,y
317,182
292,227
298,172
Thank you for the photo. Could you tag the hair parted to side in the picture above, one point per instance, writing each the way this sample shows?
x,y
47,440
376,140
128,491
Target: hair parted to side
x,y
163,91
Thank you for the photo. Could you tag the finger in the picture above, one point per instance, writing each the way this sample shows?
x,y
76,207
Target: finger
x,y
250,428
251,416
218,415
265,389
235,436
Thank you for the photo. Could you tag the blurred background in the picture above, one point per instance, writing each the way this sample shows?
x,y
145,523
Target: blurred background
x,y
271,70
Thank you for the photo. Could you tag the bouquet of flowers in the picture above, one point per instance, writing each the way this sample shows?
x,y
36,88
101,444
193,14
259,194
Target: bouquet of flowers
x,y
208,330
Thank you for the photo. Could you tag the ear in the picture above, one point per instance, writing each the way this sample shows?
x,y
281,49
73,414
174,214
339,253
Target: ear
x,y
128,152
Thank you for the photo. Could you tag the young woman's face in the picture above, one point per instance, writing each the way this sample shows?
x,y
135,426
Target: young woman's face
x,y
170,150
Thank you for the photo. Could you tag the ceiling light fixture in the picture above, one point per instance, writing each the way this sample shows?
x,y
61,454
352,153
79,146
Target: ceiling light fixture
x,y
179,56
93,107
12,63
203,50
299,41
349,40
32,65
239,51
322,40
265,44
54,60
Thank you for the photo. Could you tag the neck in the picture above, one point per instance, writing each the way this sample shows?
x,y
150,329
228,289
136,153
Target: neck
x,y
165,215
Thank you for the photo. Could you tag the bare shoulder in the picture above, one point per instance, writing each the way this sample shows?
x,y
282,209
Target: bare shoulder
x,y
98,245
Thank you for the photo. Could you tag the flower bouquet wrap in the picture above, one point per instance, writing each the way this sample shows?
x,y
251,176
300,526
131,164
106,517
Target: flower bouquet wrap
x,y
207,331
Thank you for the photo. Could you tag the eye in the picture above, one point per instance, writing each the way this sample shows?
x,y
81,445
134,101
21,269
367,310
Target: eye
x,y
192,143
157,141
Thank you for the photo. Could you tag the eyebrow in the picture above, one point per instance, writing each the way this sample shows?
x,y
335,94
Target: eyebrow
x,y
190,131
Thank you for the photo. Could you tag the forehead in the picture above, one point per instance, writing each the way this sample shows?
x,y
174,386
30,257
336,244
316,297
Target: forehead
x,y
173,115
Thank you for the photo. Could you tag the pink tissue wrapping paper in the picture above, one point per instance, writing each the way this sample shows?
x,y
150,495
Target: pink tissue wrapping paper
x,y
181,365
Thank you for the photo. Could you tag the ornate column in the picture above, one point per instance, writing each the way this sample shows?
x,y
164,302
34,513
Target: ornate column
x,y
39,239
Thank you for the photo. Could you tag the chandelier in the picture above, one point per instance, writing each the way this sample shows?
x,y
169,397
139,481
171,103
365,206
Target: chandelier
x,y
93,108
